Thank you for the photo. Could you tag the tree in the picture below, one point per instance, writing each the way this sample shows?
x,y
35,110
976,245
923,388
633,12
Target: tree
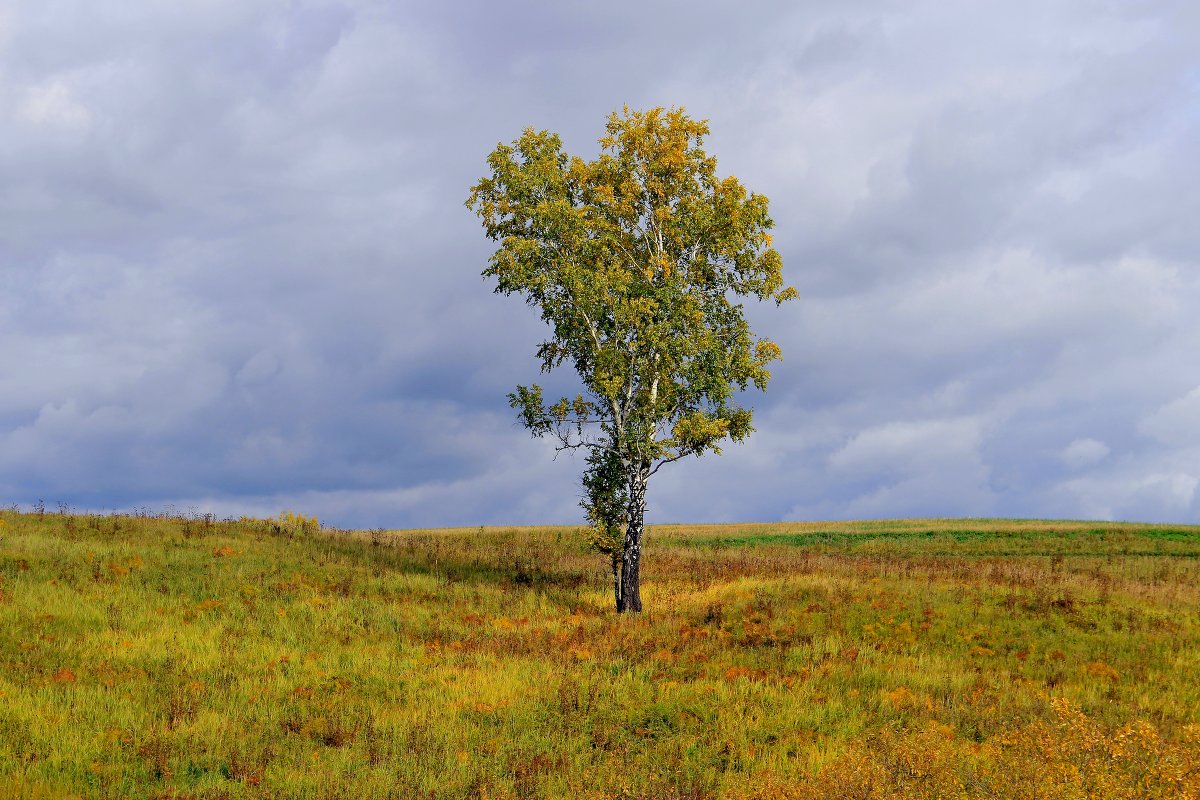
x,y
636,260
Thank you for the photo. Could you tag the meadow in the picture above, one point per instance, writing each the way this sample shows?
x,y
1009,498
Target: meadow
x,y
184,657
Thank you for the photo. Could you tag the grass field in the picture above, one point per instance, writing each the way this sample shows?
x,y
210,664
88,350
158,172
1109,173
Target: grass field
x,y
192,658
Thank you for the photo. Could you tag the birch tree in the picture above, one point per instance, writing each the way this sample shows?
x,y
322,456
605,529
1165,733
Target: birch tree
x,y
637,261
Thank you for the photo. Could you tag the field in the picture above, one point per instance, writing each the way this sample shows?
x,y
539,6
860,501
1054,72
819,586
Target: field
x,y
149,657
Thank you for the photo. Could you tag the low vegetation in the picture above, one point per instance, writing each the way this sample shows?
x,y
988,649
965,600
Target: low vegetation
x,y
147,657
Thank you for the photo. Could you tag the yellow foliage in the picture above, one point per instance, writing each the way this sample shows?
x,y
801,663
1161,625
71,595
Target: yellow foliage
x,y
1098,669
291,521
901,697
1070,756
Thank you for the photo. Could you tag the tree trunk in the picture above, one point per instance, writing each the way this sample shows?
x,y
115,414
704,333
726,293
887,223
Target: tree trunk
x,y
631,556
616,572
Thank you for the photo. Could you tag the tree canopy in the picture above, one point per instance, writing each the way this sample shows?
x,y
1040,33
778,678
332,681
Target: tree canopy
x,y
635,260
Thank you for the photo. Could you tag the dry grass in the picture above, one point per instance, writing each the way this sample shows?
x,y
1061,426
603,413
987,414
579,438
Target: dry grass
x,y
191,658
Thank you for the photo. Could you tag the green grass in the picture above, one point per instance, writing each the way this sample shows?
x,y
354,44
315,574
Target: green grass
x,y
184,658
966,538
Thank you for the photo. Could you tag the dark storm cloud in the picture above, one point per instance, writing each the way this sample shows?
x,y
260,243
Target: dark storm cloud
x,y
237,273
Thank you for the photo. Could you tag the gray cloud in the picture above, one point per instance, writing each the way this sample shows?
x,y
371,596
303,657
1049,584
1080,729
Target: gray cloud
x,y
237,274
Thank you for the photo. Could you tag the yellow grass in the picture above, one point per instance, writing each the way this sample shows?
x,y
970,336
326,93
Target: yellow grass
x,y
191,658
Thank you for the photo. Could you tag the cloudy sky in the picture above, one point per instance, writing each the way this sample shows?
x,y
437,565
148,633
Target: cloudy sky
x,y
237,275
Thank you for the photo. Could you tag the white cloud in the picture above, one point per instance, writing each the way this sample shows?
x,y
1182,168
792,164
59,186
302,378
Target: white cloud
x,y
53,105
921,468
903,446
1083,453
1132,494
1177,423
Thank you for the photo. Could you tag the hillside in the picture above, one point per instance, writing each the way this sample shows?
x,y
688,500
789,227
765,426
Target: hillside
x,y
149,657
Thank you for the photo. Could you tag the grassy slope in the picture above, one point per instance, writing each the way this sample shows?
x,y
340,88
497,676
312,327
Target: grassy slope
x,y
917,658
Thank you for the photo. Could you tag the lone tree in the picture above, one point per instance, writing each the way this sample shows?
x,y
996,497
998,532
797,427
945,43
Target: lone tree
x,y
636,261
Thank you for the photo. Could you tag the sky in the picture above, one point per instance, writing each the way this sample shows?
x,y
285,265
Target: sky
x,y
237,274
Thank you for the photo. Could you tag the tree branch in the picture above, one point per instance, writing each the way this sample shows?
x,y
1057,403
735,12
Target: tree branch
x,y
671,459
